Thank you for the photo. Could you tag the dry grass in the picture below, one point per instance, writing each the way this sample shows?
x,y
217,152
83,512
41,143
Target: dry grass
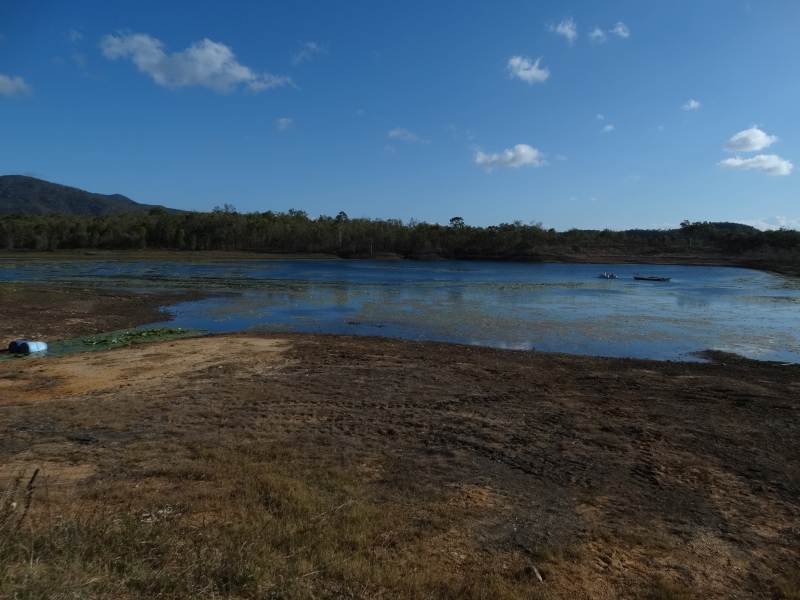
x,y
789,588
244,522
312,466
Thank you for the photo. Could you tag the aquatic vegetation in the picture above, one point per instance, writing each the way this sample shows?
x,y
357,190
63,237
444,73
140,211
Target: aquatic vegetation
x,y
113,339
136,336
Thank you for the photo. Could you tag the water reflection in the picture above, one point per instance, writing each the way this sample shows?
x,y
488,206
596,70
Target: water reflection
x,y
547,306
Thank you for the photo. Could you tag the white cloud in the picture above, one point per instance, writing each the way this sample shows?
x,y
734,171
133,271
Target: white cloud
x,y
600,117
205,63
527,70
9,86
597,35
307,52
566,28
771,164
284,123
519,156
691,105
404,135
74,36
772,223
621,30
608,128
750,140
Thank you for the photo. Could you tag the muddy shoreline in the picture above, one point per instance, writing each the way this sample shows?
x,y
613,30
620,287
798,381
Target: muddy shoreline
x,y
770,265
52,312
484,472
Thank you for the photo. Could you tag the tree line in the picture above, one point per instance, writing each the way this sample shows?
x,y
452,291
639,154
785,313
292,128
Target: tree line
x,y
295,232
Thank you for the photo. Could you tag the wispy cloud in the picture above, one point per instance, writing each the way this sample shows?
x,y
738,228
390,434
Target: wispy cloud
x,y
80,59
74,36
567,29
621,30
460,133
404,135
205,63
771,223
13,86
691,105
283,123
527,70
750,140
521,155
608,128
597,35
771,164
600,117
307,52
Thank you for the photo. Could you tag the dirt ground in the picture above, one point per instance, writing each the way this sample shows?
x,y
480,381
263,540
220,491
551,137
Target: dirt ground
x,y
327,466
53,313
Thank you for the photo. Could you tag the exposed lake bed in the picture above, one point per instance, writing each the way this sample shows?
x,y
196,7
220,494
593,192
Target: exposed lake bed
x,y
547,307
478,469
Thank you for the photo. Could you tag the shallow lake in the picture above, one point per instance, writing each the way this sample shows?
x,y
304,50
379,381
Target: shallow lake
x,y
550,307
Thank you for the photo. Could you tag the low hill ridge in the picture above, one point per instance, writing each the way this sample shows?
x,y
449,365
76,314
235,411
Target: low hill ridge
x,y
20,194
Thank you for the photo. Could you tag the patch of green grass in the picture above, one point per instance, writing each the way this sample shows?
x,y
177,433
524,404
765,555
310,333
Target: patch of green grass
x,y
127,337
113,339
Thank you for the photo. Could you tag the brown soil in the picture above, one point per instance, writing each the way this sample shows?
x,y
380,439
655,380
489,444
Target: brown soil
x,y
363,467
51,313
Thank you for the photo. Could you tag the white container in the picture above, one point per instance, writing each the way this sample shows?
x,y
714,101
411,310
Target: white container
x,y
35,347
27,347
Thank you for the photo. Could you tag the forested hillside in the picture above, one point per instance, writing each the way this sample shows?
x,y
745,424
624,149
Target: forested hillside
x,y
20,194
295,232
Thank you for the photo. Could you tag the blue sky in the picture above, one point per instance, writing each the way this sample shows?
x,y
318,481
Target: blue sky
x,y
414,109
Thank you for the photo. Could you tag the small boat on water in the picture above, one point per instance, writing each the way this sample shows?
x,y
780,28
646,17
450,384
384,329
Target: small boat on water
x,y
607,275
650,278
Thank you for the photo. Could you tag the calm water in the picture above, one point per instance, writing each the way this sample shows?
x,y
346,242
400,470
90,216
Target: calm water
x,y
552,307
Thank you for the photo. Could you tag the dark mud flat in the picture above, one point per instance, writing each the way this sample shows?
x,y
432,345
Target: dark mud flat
x,y
295,466
48,312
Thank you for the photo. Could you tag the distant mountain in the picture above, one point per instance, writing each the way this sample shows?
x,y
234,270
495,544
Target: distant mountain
x,y
30,196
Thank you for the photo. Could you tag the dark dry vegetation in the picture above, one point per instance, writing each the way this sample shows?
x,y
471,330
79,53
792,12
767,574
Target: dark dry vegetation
x,y
295,232
44,216
322,466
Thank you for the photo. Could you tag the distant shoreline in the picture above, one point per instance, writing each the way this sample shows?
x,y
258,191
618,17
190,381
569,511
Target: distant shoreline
x,y
214,255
